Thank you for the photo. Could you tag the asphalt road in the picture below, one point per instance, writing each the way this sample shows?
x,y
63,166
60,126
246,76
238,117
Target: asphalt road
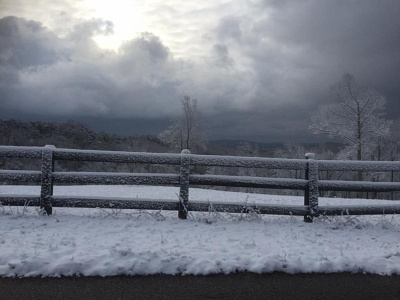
x,y
235,286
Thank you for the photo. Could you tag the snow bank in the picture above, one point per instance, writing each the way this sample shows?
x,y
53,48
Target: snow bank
x,y
113,242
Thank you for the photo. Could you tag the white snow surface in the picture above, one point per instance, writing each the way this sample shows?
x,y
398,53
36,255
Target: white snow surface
x,y
106,242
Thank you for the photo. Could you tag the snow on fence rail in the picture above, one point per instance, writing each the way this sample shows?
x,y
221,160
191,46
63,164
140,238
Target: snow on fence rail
x,y
311,185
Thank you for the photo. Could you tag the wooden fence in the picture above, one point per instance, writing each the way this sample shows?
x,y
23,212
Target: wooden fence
x,y
311,185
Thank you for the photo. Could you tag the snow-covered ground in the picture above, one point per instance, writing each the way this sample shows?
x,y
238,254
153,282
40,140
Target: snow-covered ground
x,y
111,242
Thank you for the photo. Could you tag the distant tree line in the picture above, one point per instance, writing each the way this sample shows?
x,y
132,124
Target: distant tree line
x,y
72,135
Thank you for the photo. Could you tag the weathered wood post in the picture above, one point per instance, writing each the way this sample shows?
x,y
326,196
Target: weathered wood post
x,y
184,184
311,192
47,180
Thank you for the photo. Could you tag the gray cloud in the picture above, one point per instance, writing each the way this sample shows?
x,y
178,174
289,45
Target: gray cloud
x,y
318,41
262,72
229,28
298,49
222,57
72,76
25,44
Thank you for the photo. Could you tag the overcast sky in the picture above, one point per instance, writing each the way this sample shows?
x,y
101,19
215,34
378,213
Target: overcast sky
x,y
258,68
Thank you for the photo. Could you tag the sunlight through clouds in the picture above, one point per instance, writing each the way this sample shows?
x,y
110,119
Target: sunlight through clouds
x,y
183,26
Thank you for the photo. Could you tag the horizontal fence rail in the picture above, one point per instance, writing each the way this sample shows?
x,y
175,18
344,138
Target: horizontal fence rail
x,y
21,152
311,185
363,166
115,178
247,181
117,157
16,176
360,186
248,162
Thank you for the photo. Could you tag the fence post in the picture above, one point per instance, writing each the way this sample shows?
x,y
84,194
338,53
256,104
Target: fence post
x,y
47,180
311,192
184,184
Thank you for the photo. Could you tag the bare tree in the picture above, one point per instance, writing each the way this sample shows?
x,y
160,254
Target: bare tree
x,y
356,117
188,131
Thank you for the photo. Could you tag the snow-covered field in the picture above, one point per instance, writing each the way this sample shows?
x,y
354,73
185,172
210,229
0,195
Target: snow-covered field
x,y
112,242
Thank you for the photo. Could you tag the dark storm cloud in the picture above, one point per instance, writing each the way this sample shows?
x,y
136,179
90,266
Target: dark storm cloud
x,y
72,76
25,43
263,73
308,45
298,49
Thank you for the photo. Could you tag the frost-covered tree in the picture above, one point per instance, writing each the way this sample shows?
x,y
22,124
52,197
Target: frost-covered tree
x,y
356,117
188,131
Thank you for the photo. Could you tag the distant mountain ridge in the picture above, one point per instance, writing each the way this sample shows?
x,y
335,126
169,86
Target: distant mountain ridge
x,y
80,136
233,144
